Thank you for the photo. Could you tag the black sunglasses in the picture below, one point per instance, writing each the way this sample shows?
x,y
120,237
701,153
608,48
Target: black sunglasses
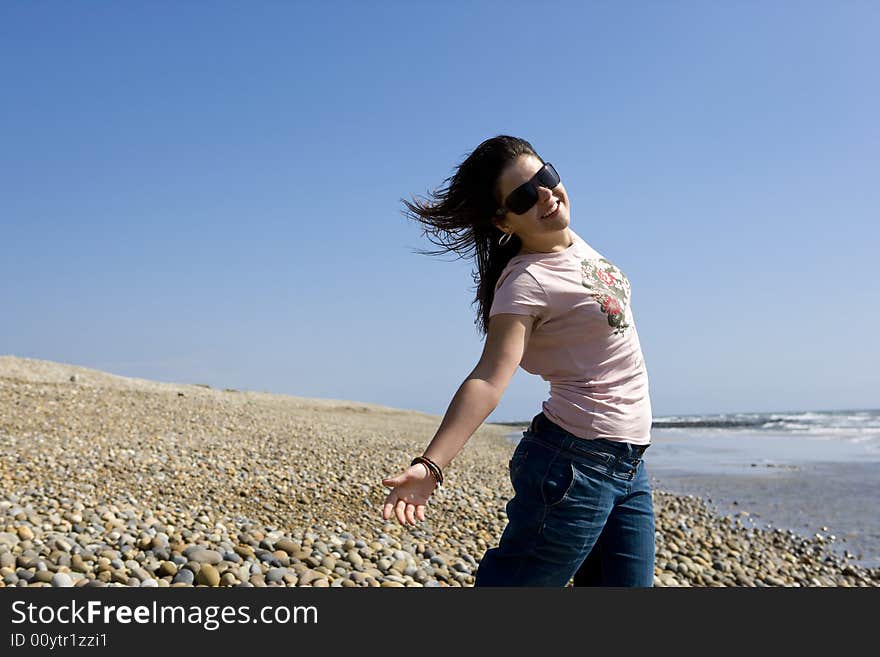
x,y
524,197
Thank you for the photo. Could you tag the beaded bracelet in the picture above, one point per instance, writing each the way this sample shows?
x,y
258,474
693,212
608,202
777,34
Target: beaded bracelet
x,y
432,467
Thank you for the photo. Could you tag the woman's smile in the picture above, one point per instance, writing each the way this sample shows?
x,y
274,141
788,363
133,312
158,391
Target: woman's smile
x,y
552,212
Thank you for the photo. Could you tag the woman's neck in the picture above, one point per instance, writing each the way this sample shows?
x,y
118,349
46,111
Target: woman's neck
x,y
554,244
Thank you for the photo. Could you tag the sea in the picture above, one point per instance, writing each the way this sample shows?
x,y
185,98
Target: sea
x,y
814,472
851,426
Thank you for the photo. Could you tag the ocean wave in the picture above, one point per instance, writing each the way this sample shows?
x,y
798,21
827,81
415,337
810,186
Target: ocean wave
x,y
786,422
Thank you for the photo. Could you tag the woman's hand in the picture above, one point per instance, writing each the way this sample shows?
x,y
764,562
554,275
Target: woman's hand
x,y
411,490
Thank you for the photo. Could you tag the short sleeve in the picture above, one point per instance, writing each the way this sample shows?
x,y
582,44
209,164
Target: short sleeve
x,y
519,293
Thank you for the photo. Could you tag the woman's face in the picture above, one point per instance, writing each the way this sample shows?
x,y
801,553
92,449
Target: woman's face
x,y
533,223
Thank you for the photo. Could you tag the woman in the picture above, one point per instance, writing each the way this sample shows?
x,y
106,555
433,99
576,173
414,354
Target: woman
x,y
548,301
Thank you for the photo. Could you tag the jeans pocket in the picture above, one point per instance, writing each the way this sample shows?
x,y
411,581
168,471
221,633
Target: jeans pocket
x,y
517,461
558,480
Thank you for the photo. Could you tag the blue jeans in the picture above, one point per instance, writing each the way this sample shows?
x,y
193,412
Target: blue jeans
x,y
582,509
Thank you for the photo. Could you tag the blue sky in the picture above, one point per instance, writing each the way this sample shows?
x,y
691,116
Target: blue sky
x,y
210,192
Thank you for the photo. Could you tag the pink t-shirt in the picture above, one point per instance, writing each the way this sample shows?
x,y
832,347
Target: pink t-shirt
x,y
584,341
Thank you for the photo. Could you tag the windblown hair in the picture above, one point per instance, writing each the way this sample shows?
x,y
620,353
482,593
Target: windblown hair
x,y
458,217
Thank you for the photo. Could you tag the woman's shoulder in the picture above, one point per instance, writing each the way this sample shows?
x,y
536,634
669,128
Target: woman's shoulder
x,y
518,272
585,249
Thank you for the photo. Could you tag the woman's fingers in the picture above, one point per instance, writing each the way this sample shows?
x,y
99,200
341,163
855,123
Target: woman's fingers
x,y
391,502
405,513
400,503
399,509
388,507
391,482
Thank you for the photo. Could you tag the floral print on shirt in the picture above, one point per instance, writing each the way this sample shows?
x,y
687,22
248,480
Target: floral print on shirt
x,y
610,288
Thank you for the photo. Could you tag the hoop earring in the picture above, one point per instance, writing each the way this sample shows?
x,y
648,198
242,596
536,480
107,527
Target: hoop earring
x,y
504,239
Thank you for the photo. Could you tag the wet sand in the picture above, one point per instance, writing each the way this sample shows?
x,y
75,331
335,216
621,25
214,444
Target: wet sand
x,y
809,485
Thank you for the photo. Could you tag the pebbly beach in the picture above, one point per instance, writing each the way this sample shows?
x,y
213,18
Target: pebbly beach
x,y
115,481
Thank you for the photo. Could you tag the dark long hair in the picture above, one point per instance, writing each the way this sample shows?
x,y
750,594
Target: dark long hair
x,y
458,217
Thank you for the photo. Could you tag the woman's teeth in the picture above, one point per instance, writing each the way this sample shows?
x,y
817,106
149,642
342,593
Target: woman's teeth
x,y
555,208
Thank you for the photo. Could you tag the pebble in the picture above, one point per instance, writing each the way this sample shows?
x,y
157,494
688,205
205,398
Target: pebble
x,y
184,576
203,555
227,507
166,568
61,580
208,575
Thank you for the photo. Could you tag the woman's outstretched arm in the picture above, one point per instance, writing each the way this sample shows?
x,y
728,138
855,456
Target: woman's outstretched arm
x,y
472,403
